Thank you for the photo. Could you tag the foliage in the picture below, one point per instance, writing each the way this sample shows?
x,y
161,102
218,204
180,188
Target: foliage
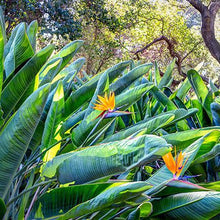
x,y
113,30
60,159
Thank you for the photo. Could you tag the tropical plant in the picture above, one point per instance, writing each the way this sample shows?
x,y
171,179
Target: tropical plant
x,y
68,150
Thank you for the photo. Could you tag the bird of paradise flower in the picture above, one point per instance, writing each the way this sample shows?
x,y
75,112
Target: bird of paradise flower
x,y
107,106
175,166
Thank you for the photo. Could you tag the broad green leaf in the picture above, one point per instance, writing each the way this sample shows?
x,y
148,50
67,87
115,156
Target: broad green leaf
x,y
52,125
214,152
194,205
178,186
2,24
145,127
68,52
200,114
11,39
15,89
215,109
15,137
183,90
201,90
212,86
183,139
59,201
157,77
152,124
102,87
32,32
49,70
1,57
163,99
167,75
142,211
110,158
198,85
50,168
67,74
84,93
125,81
2,208
166,102
72,121
20,51
212,186
107,198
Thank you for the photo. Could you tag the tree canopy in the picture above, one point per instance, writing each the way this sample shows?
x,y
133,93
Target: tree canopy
x,y
126,29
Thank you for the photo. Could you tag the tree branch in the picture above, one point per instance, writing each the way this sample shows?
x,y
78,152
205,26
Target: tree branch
x,y
173,54
197,4
171,49
214,7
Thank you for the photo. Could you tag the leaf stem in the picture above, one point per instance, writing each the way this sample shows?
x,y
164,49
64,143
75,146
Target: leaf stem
x,y
31,188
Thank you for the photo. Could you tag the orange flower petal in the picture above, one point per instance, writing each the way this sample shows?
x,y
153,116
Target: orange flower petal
x,y
105,103
170,163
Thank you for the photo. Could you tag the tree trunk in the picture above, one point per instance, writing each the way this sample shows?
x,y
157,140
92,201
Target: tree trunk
x,y
208,14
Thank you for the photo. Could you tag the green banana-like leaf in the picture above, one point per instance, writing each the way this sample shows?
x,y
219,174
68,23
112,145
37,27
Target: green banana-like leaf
x,y
194,206
50,168
126,99
198,85
49,70
148,127
2,24
11,39
110,158
2,208
67,74
200,114
68,52
16,135
102,87
142,211
60,200
32,32
152,124
183,139
192,152
20,51
125,81
15,89
72,121
163,99
213,87
157,77
84,93
215,109
183,90
201,90
175,186
2,43
107,198
212,185
54,118
167,75
214,152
